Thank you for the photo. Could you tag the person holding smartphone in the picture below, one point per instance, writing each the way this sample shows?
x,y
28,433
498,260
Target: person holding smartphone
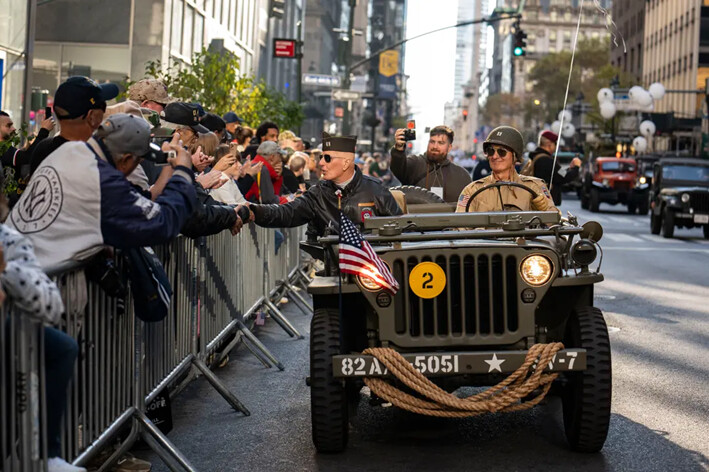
x,y
431,170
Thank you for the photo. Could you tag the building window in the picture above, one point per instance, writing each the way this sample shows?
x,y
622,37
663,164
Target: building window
x,y
176,29
198,32
187,32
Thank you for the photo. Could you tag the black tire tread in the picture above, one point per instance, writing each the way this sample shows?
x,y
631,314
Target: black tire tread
x,y
595,201
668,224
328,402
415,194
587,399
655,223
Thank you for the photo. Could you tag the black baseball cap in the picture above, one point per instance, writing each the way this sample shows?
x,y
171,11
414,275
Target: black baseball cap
x,y
231,117
185,114
213,122
78,95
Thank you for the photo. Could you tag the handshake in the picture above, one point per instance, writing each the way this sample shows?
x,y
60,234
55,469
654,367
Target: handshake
x,y
245,215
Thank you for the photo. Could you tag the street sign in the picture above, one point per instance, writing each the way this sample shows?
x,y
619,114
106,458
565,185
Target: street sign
x,y
320,79
342,95
284,48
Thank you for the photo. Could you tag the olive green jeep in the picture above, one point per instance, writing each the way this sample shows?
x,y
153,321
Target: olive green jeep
x,y
471,303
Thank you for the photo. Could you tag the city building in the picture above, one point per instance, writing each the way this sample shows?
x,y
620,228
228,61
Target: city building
x,y
110,40
627,49
13,19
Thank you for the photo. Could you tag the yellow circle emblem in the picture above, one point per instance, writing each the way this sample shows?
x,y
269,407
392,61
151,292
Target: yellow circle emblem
x,y
427,280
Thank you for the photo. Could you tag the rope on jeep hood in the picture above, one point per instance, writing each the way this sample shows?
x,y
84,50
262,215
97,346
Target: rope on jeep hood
x,y
507,396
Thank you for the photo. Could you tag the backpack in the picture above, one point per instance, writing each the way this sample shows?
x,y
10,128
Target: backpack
x,y
528,168
149,284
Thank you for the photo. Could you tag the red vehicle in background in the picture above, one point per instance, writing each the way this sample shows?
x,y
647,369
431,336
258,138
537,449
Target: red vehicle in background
x,y
609,180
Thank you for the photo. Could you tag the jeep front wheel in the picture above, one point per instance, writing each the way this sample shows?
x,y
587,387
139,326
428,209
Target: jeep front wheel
x,y
328,399
668,223
595,200
586,398
706,231
655,223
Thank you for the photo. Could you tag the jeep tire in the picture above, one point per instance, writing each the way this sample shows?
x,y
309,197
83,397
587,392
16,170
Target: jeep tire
x,y
632,206
417,195
668,223
655,223
586,398
328,399
643,207
595,200
584,200
706,231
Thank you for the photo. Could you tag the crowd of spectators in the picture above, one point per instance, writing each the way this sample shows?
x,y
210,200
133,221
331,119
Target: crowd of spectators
x,y
132,174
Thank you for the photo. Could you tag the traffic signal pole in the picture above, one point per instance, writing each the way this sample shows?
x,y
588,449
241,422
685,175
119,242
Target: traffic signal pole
x,y
346,82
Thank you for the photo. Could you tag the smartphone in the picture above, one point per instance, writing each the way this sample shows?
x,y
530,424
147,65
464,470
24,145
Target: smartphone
x,y
410,133
47,112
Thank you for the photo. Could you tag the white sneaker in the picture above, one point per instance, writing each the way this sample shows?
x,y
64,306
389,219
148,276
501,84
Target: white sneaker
x,y
57,464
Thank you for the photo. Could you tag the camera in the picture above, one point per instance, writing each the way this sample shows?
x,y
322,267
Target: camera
x,y
410,131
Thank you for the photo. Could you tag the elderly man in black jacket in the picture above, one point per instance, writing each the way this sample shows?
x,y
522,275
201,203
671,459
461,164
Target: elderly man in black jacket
x,y
359,196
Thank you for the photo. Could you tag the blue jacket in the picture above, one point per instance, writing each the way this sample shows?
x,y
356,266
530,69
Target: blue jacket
x,y
77,202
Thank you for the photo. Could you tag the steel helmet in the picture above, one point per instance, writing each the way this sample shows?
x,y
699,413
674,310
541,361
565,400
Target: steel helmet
x,y
506,136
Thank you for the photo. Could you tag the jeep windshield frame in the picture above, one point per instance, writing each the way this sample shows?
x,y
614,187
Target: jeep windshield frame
x,y
451,226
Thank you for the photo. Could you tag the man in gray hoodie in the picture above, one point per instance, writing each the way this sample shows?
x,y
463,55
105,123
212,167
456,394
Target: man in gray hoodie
x,y
431,170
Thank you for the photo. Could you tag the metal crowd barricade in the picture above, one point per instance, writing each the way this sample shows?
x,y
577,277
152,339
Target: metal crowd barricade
x,y
218,283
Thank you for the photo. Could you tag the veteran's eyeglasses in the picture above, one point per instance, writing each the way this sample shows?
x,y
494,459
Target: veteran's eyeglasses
x,y
490,151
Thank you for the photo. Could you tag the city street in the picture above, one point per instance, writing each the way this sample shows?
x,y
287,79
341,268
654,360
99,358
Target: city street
x,y
655,300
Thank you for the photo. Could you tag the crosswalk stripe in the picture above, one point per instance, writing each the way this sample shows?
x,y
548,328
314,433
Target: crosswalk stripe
x,y
623,238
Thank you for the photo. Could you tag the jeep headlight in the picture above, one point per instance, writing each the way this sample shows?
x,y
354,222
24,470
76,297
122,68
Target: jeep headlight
x,y
643,180
605,182
685,198
536,269
368,283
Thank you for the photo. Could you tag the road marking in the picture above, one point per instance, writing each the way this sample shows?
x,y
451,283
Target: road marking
x,y
653,238
667,249
619,219
623,238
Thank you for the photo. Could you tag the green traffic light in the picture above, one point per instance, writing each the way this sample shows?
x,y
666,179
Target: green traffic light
x,y
518,51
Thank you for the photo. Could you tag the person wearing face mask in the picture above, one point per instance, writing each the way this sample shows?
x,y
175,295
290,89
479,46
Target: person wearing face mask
x,y
79,105
431,170
503,147
80,200
343,186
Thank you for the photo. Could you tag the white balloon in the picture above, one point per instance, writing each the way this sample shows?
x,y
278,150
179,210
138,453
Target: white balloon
x,y
562,142
556,126
643,99
640,144
634,91
568,131
647,128
607,110
591,138
657,90
605,95
531,146
564,115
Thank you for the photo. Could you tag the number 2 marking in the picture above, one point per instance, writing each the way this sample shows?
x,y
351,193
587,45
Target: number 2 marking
x,y
427,282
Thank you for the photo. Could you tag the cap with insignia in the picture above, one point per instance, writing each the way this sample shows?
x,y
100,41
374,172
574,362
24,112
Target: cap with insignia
x,y
338,143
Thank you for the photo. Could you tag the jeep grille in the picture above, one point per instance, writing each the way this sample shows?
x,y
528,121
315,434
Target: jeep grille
x,y
479,303
699,201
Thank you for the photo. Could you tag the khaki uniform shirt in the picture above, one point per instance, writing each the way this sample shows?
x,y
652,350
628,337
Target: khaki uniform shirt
x,y
489,200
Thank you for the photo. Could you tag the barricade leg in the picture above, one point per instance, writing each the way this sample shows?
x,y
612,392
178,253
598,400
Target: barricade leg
x,y
164,446
291,292
250,339
219,386
281,319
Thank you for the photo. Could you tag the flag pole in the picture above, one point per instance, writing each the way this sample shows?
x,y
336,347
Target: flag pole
x,y
338,193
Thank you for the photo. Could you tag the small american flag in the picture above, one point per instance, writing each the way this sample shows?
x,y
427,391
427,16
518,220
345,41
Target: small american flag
x,y
357,257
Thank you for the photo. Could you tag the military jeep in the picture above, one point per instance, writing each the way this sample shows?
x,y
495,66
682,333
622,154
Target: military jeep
x,y
477,290
679,195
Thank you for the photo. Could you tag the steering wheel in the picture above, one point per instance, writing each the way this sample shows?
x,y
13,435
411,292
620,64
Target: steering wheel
x,y
499,192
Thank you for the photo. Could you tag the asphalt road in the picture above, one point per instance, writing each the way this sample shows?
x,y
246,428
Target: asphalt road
x,y
656,301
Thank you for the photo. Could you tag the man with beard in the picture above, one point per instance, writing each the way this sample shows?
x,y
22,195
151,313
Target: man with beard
x,y
431,170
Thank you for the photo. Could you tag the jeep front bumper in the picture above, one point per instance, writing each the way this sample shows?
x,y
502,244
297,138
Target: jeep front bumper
x,y
455,363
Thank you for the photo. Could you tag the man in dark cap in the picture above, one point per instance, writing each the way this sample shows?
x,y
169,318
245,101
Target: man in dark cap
x,y
215,124
359,196
79,105
541,161
233,121
185,119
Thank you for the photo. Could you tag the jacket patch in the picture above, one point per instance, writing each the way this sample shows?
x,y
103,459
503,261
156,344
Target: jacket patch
x,y
42,202
149,208
545,191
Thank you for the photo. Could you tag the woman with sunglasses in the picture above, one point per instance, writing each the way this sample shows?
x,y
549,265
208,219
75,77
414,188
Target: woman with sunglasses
x,y
503,147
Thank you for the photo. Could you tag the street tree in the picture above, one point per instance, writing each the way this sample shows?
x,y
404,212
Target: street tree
x,y
215,81
503,108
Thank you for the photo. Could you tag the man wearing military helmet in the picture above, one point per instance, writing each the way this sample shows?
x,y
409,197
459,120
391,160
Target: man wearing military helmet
x,y
503,147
